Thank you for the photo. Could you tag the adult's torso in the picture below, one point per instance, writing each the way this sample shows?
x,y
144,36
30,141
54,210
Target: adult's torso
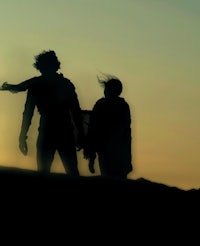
x,y
53,97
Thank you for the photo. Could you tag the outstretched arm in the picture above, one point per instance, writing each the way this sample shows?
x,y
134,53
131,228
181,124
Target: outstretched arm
x,y
14,88
10,87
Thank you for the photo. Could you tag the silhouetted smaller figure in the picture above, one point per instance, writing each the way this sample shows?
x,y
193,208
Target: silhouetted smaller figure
x,y
109,132
60,114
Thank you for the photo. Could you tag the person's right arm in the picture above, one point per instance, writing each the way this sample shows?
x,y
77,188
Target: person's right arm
x,y
26,122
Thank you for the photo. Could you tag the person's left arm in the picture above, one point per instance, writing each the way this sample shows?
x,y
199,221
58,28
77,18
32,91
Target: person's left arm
x,y
77,117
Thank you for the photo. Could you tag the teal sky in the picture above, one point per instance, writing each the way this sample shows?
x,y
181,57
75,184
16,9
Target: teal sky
x,y
151,45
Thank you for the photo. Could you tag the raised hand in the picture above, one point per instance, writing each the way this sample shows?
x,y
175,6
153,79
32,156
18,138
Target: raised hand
x,y
8,87
4,86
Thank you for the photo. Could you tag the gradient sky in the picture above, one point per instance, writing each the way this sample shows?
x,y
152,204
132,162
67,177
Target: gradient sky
x,y
151,45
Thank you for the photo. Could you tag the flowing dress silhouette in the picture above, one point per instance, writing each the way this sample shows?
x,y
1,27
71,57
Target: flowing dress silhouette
x,y
109,133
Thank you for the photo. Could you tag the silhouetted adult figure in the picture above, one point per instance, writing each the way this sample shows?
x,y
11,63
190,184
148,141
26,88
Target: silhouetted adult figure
x,y
59,109
109,132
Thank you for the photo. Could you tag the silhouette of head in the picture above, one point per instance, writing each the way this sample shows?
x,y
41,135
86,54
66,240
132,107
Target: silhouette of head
x,y
112,86
47,62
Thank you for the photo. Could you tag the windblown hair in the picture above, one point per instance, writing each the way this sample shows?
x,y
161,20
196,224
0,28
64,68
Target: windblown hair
x,y
111,83
47,60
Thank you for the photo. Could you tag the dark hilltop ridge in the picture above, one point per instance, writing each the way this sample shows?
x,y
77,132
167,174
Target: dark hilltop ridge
x,y
27,187
88,202
22,180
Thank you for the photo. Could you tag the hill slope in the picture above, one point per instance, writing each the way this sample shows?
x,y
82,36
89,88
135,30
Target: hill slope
x,y
87,203
26,181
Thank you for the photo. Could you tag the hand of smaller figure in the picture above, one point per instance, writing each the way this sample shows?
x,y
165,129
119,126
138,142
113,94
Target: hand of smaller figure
x,y
91,165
